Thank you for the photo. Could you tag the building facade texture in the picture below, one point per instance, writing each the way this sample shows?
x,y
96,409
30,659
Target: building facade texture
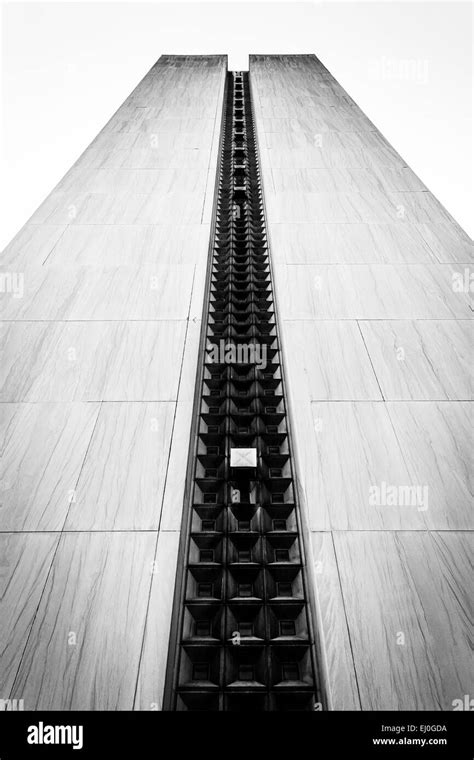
x,y
97,384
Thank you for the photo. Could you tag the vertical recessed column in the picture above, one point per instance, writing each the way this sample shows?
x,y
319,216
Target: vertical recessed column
x,y
243,635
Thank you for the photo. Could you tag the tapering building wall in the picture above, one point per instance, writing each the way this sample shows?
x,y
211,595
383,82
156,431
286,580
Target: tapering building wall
x,y
371,286
96,383
101,302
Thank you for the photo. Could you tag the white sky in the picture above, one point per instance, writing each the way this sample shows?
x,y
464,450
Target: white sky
x,y
66,67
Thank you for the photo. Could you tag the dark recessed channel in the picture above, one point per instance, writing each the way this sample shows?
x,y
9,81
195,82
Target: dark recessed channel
x,y
242,636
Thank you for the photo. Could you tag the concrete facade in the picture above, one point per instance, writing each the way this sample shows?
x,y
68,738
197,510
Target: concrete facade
x,y
378,347
99,359
97,382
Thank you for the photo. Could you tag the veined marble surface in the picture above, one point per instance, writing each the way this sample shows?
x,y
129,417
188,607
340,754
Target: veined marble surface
x,y
99,353
411,635
372,285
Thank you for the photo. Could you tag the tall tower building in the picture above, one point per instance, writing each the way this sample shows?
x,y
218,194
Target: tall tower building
x,y
235,411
